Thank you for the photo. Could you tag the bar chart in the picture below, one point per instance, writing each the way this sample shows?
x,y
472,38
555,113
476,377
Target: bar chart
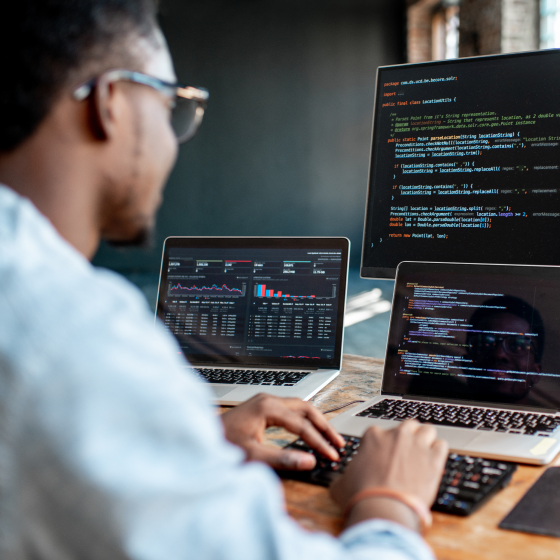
x,y
264,291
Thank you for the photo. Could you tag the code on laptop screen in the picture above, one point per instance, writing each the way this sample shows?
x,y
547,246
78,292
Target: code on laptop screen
x,y
465,163
254,304
476,332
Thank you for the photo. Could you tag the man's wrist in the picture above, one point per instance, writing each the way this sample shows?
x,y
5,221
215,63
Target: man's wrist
x,y
381,507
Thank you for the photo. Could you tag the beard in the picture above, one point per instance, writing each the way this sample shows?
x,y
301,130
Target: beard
x,y
143,239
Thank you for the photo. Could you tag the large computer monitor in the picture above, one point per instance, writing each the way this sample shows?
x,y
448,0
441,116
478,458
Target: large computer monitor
x,y
465,163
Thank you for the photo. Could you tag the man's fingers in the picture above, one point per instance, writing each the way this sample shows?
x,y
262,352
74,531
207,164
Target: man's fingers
x,y
426,434
317,418
325,427
441,449
303,428
282,459
301,419
410,426
245,426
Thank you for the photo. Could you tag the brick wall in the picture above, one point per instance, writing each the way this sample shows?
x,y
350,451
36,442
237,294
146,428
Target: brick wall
x,y
419,29
480,27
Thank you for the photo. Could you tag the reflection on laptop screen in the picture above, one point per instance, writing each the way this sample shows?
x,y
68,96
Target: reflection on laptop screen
x,y
476,332
254,304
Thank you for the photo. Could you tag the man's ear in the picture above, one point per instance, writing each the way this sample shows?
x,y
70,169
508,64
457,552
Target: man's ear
x,y
103,111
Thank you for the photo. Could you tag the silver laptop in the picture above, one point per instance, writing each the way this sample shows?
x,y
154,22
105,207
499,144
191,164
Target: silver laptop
x,y
257,314
473,349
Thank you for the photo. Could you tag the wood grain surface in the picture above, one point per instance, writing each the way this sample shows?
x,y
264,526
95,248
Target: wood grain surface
x,y
476,537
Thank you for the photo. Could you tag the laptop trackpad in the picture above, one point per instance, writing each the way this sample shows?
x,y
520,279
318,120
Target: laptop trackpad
x,y
456,438
220,390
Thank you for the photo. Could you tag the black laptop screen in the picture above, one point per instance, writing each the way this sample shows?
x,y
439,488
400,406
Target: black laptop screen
x,y
486,333
255,301
465,158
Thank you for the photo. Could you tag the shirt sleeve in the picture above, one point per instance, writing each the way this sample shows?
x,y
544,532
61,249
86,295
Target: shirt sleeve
x,y
120,455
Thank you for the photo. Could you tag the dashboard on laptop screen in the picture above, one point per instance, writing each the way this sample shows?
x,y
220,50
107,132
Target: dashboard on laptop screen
x,y
257,304
483,333
465,163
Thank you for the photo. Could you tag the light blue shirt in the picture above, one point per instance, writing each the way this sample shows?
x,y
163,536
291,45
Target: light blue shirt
x,y
109,449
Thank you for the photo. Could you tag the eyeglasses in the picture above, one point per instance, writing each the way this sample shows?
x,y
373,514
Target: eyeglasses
x,y
187,103
514,345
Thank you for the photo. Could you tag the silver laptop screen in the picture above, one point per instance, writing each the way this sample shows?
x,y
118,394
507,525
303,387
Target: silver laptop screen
x,y
265,301
483,333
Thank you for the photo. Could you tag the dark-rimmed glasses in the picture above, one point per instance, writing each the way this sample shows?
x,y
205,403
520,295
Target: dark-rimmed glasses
x,y
514,345
187,103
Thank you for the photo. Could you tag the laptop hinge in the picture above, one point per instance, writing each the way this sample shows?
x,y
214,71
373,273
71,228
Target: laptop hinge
x,y
506,406
290,367
252,366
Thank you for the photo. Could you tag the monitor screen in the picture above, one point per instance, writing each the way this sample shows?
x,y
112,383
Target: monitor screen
x,y
465,163
255,300
481,333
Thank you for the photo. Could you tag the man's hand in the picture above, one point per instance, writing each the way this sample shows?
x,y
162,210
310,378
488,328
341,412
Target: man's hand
x,y
408,458
245,424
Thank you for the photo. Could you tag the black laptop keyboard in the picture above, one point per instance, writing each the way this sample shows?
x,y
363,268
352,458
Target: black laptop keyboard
x,y
466,483
464,417
251,376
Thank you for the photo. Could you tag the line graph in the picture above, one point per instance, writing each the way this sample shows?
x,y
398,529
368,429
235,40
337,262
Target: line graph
x,y
214,289
300,357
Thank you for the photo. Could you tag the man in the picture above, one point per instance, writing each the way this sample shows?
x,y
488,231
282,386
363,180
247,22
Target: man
x,y
107,449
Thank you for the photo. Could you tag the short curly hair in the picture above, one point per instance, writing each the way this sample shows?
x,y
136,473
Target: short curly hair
x,y
44,43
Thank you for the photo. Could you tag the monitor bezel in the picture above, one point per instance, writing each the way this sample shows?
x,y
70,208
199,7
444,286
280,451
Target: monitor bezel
x,y
388,273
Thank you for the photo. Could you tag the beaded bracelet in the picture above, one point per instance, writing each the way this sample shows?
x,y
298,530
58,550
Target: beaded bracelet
x,y
412,502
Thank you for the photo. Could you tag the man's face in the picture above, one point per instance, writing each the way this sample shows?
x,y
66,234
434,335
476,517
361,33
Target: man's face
x,y
502,358
145,150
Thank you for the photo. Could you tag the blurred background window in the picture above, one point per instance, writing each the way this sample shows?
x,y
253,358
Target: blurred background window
x,y
550,24
445,32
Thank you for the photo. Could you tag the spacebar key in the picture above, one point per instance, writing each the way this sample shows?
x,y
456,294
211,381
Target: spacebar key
x,y
448,423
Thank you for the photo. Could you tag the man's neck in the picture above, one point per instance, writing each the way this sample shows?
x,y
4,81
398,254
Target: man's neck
x,y
52,174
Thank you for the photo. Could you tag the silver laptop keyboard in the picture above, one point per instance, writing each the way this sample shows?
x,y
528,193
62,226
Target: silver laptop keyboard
x,y
251,376
489,419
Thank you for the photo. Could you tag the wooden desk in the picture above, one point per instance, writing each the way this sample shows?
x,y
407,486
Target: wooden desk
x,y
476,537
